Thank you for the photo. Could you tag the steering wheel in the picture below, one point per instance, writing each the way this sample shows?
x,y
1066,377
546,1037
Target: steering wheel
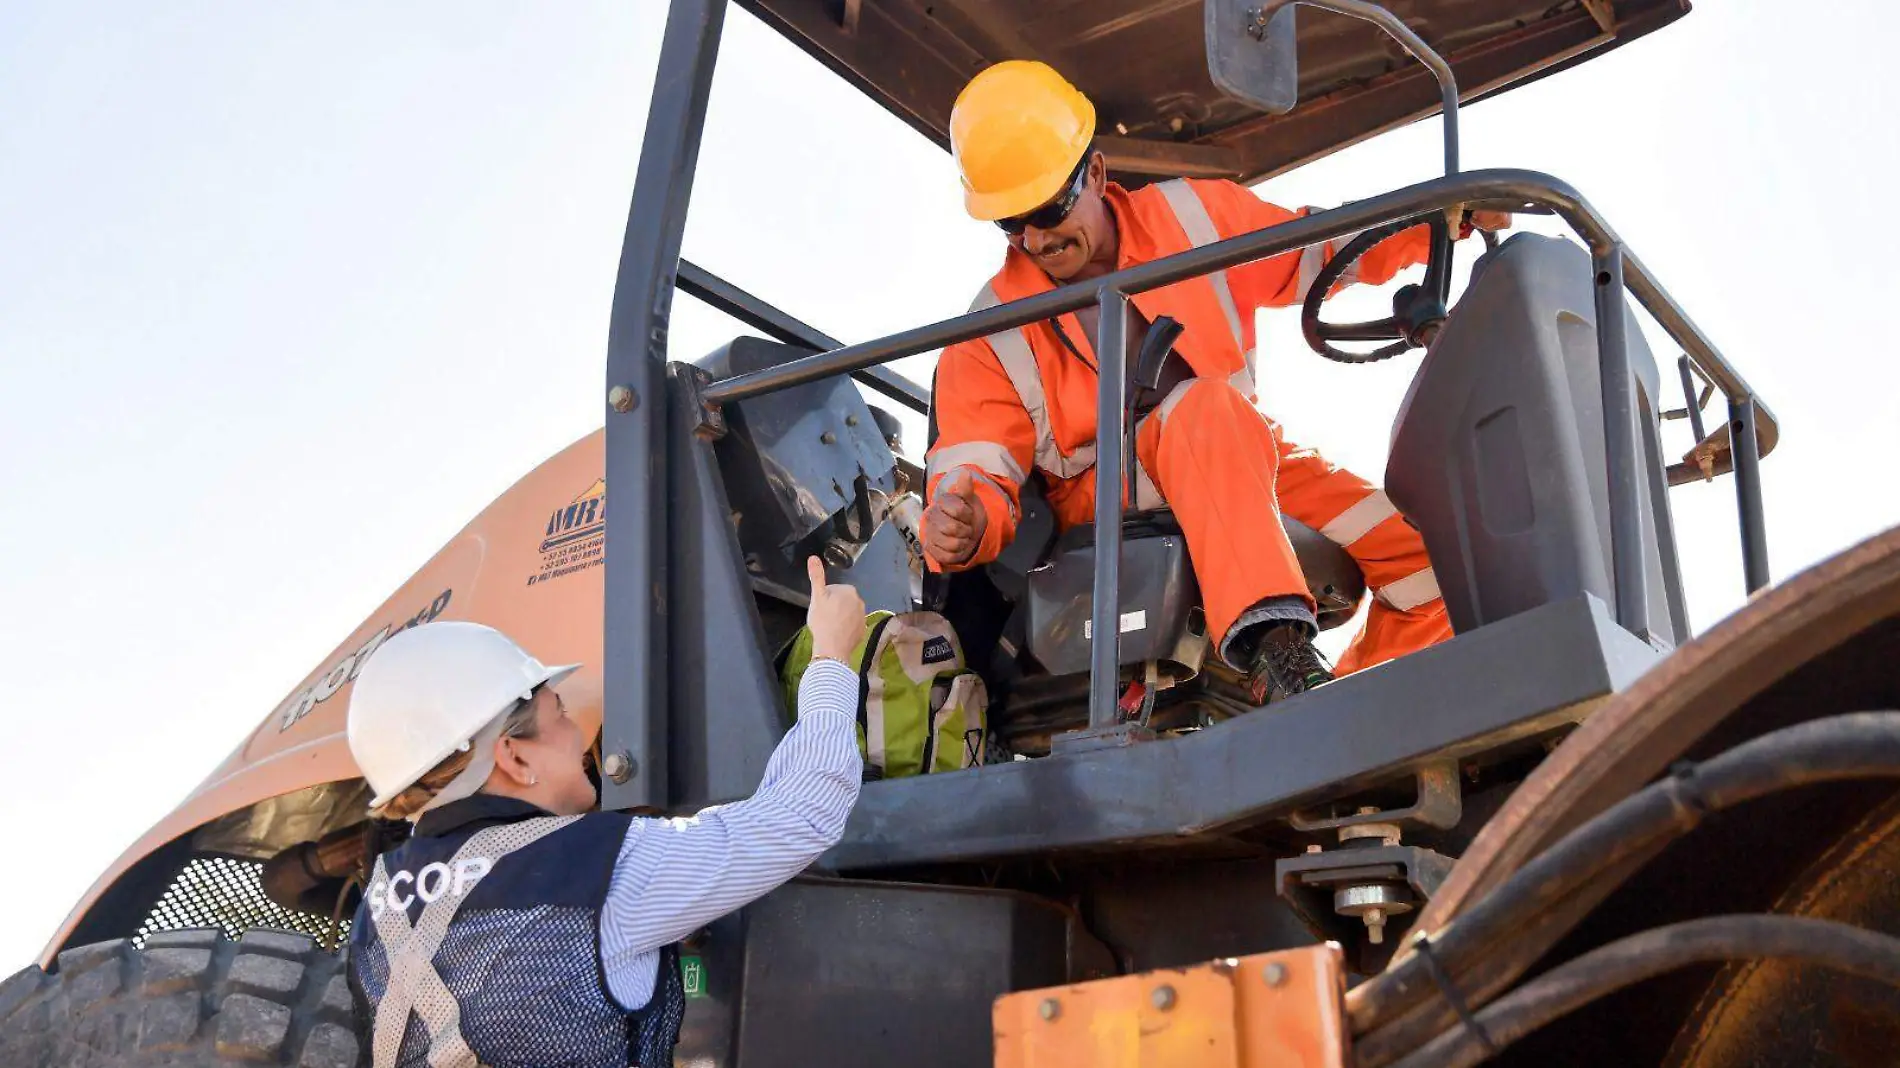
x,y
1415,307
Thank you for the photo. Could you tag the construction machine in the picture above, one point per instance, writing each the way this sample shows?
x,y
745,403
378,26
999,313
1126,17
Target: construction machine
x,y
1578,832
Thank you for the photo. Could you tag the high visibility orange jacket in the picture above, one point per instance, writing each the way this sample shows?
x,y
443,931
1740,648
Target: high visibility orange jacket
x,y
1020,402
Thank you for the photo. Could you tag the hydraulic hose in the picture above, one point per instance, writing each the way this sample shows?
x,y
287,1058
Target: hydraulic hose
x,y
1839,946
1619,840
1492,975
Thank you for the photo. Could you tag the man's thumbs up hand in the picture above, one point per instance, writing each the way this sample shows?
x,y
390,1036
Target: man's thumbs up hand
x,y
955,521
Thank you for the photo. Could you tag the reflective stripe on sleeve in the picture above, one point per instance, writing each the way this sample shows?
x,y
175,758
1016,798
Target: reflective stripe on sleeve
x,y
986,456
1314,257
1415,589
1356,522
985,477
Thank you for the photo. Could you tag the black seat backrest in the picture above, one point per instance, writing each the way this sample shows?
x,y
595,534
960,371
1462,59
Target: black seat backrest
x,y
1498,456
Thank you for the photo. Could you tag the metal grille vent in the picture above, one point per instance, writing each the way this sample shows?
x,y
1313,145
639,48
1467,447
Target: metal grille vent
x,y
228,893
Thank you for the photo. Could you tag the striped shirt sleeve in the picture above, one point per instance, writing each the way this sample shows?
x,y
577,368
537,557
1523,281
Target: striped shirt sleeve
x,y
674,876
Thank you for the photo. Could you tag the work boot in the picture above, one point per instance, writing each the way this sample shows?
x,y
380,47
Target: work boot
x,y
1285,663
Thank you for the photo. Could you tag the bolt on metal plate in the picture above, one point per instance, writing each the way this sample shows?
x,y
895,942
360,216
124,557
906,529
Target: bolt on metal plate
x,y
618,766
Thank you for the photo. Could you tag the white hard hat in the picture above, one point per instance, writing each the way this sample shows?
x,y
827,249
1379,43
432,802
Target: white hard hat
x,y
426,692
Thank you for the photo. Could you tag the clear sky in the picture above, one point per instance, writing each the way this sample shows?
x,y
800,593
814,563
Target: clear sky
x,y
289,292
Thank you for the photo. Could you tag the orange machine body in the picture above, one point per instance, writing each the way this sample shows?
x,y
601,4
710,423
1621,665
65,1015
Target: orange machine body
x,y
530,565
1274,1010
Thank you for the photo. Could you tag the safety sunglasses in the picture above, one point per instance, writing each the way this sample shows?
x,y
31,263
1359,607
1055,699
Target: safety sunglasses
x,y
1051,215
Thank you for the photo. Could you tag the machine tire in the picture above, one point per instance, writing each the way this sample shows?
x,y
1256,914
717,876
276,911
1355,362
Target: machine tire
x,y
187,999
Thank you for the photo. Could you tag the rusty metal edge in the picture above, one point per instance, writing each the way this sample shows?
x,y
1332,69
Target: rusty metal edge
x,y
1637,733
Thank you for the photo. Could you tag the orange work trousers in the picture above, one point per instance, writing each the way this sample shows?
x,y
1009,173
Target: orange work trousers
x,y
1227,473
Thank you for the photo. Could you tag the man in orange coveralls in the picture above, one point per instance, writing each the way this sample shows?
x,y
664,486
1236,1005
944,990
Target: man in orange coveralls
x,y
1024,400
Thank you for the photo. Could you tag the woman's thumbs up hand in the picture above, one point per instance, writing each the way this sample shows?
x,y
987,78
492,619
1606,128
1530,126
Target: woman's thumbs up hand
x,y
836,615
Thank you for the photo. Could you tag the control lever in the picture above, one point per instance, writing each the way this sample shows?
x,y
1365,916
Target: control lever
x,y
1156,344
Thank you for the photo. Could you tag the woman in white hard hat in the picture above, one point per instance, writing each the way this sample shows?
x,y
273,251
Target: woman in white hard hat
x,y
516,926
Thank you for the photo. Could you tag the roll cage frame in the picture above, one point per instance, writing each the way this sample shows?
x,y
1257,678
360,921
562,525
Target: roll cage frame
x,y
651,412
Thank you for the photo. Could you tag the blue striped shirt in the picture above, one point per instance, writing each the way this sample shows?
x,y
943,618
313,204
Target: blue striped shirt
x,y
675,876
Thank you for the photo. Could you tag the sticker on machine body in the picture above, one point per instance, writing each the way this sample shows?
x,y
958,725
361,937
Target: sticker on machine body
x,y
693,976
1131,622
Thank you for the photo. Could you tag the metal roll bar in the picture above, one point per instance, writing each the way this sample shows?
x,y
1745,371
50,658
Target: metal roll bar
x,y
1617,269
637,442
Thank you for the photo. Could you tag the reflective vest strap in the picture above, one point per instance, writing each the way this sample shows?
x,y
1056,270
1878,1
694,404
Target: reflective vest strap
x,y
414,984
1018,358
1199,227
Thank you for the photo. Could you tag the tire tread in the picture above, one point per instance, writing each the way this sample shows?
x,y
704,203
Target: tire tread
x,y
187,999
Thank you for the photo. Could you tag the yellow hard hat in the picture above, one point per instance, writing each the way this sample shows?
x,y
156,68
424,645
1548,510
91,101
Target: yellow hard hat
x,y
1017,131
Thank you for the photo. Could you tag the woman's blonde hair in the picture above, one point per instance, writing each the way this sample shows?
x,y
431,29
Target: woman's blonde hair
x,y
520,723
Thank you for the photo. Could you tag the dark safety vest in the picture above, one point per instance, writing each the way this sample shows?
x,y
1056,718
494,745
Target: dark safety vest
x,y
478,944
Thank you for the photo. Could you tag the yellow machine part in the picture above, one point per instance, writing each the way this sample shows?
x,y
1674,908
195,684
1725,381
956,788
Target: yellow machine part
x,y
1277,1009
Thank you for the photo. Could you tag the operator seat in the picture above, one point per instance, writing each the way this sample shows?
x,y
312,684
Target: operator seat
x,y
1498,455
